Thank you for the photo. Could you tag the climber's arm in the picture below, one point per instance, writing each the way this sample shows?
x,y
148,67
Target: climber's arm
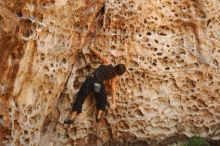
x,y
103,59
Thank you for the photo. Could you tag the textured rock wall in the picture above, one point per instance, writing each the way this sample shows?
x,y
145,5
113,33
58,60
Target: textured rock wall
x,y
171,49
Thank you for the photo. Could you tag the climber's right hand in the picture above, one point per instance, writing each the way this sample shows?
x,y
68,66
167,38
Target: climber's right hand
x,y
113,105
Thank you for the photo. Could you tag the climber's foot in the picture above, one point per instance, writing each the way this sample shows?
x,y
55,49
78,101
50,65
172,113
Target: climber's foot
x,y
98,116
68,121
71,119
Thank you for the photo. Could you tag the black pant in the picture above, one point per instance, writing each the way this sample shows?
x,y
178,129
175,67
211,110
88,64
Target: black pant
x,y
85,89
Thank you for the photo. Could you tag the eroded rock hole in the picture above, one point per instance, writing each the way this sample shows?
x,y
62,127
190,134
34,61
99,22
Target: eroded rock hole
x,y
167,68
27,141
46,69
27,33
148,33
29,111
1,119
76,84
215,62
42,57
25,132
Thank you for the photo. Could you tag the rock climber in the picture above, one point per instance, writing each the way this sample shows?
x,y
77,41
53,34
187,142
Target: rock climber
x,y
94,82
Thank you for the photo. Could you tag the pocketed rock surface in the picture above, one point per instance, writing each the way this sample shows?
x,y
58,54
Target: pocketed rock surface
x,y
171,49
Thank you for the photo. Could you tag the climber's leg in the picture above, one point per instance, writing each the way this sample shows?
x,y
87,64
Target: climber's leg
x,y
82,94
101,101
80,98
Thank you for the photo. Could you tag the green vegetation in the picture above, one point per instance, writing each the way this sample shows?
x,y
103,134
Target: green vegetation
x,y
196,141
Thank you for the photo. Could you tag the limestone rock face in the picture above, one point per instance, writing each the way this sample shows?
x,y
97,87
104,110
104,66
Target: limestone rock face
x,y
171,88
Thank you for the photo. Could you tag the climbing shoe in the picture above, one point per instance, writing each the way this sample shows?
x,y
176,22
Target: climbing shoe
x,y
68,122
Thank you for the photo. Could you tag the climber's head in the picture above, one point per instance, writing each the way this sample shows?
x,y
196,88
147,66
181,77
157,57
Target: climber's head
x,y
120,69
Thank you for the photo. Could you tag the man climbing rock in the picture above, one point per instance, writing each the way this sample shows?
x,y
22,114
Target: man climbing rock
x,y
94,82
